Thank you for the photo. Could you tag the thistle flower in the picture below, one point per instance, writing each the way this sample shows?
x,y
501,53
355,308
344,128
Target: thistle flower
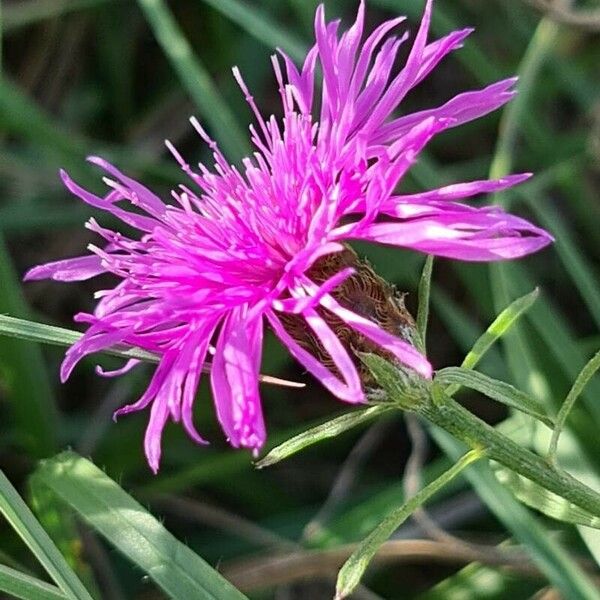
x,y
241,248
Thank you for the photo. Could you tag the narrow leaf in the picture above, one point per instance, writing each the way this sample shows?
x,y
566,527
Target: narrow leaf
x,y
132,530
582,379
495,389
19,585
501,324
23,373
260,26
59,336
21,519
424,293
319,433
352,571
548,503
552,559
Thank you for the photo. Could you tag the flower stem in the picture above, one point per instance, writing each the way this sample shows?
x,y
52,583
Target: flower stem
x,y
448,414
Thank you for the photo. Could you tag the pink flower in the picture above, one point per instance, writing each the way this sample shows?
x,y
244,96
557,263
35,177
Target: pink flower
x,y
233,251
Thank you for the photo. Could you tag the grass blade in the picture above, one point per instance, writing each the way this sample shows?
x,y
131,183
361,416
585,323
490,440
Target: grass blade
x,y
548,503
195,78
544,550
21,14
132,530
423,294
261,27
23,372
319,433
32,533
582,379
501,324
23,586
352,571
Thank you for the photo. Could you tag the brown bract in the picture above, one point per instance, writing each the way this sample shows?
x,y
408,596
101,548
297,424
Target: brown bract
x,y
364,293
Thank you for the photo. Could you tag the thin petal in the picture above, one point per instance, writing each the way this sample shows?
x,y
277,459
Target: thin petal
x,y
70,269
234,379
349,389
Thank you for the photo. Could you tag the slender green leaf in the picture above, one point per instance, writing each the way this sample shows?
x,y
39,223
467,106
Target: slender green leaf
x,y
495,389
258,24
576,264
501,324
132,530
352,571
195,77
582,379
32,533
28,12
548,503
23,586
327,430
59,336
23,372
424,293
544,550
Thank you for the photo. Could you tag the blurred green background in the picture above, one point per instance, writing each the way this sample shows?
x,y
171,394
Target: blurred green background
x,y
89,77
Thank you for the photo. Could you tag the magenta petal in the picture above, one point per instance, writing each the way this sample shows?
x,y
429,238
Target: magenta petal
x,y
152,439
403,351
349,389
70,269
234,379
476,235
130,364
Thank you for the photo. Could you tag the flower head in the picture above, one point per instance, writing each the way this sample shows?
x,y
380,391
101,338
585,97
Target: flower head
x,y
240,248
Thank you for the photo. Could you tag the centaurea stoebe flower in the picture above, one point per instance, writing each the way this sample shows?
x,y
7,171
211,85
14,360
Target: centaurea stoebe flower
x,y
241,248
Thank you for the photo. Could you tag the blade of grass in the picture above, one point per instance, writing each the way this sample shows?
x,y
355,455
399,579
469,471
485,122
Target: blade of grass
x,y
423,295
23,586
574,260
132,530
582,379
545,551
21,14
261,27
352,571
195,78
23,372
32,533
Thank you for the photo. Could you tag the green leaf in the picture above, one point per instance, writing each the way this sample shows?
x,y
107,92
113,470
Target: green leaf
x,y
21,14
548,503
352,571
327,430
258,24
23,586
59,336
23,372
480,582
31,532
195,78
423,309
132,530
545,551
582,380
495,389
501,324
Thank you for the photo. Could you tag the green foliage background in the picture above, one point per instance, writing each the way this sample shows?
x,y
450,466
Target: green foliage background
x,y
88,77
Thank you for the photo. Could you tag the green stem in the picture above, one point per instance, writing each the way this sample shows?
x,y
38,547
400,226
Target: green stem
x,y
445,412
